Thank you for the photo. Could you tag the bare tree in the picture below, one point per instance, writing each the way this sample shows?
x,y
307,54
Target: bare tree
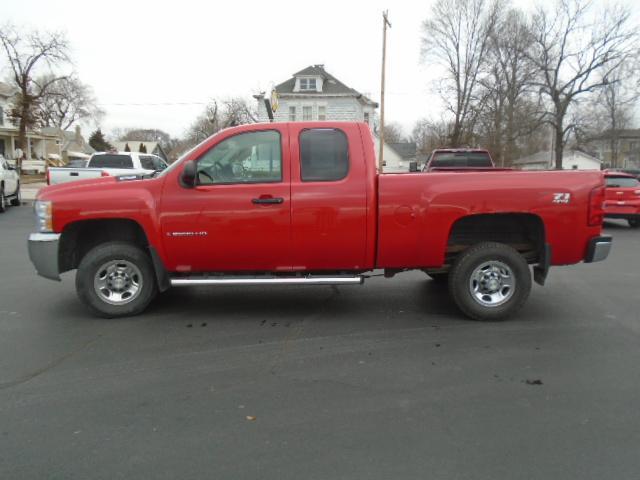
x,y
506,98
616,101
66,102
393,133
27,54
457,37
430,135
218,115
577,52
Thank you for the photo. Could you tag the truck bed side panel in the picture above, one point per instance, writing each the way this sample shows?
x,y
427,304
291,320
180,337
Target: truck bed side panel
x,y
418,211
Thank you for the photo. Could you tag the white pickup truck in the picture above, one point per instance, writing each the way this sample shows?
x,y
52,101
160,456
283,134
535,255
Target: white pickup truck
x,y
103,164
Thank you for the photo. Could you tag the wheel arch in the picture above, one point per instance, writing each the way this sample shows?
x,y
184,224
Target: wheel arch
x,y
525,232
79,237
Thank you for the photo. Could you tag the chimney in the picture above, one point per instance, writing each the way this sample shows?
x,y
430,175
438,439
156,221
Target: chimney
x,y
78,135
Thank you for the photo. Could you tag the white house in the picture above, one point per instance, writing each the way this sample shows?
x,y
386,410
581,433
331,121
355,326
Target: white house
x,y
36,145
397,156
571,160
313,94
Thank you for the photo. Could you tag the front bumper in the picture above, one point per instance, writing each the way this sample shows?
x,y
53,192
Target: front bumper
x,y
598,249
43,252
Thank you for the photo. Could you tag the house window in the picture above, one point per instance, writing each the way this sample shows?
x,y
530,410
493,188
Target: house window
x,y
1,116
366,118
322,113
307,113
308,84
292,114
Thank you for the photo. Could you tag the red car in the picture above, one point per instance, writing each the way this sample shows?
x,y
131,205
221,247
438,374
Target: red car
x,y
622,197
303,203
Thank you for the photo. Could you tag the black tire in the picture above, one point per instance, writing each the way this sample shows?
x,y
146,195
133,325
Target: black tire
x,y
439,278
470,266
3,200
16,200
634,222
116,253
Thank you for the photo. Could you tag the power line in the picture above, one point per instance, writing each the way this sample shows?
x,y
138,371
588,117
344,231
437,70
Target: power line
x,y
151,104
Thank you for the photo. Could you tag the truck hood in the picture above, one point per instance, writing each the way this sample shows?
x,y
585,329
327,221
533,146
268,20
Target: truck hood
x,y
49,191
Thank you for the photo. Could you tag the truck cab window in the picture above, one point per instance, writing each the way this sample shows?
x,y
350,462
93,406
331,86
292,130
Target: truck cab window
x,y
253,157
324,155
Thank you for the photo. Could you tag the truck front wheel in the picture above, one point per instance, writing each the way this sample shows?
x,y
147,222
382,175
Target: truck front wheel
x,y
489,281
116,279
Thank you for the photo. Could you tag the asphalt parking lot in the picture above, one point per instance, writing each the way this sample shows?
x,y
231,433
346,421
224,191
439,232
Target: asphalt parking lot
x,y
381,381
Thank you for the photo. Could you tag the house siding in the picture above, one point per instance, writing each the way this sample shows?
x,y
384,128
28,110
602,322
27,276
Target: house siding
x,y
340,109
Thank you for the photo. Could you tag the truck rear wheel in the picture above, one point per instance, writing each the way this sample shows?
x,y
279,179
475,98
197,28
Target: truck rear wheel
x,y
490,281
116,279
634,222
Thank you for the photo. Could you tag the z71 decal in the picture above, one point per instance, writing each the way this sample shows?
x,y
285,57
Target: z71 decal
x,y
561,197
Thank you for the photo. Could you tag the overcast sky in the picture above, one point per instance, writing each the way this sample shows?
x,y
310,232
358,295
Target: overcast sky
x,y
139,52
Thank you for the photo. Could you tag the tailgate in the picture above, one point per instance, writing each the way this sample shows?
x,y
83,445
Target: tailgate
x,y
64,175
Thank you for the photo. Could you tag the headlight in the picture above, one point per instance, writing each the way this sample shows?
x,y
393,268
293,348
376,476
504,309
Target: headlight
x,y
44,217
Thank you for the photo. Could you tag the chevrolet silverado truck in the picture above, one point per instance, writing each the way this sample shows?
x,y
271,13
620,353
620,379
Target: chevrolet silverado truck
x,y
303,203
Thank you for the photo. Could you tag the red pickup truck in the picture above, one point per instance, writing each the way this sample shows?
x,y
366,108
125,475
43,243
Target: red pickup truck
x,y
303,203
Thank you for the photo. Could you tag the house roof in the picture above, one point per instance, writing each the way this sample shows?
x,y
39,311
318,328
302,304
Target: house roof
x,y
620,133
546,157
407,150
7,90
331,85
70,140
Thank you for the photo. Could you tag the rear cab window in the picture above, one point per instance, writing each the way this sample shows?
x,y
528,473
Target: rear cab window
x,y
111,161
460,159
622,182
324,155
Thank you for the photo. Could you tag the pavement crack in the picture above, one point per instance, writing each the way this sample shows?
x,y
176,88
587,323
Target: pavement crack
x,y
49,366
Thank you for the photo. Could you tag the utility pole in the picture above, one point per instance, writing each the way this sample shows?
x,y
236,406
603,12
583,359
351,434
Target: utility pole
x,y
385,23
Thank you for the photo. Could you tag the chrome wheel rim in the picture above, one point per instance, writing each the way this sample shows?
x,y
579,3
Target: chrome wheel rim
x,y
492,283
118,282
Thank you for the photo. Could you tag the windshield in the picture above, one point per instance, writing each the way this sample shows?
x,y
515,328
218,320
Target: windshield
x,y
460,159
624,182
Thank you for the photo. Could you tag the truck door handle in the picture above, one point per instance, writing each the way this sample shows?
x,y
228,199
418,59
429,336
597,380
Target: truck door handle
x,y
73,174
267,200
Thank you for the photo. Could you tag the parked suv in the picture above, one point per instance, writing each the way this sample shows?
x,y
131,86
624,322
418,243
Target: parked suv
x,y
9,185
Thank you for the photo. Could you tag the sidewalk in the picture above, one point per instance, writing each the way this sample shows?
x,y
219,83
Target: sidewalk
x,y
30,190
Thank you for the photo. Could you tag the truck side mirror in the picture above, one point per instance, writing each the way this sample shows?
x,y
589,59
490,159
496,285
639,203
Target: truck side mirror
x,y
188,176
413,166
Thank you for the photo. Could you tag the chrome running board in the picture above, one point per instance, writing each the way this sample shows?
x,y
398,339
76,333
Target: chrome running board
x,y
238,280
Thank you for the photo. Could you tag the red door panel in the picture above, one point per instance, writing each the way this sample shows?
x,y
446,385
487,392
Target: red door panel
x,y
329,218
229,227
